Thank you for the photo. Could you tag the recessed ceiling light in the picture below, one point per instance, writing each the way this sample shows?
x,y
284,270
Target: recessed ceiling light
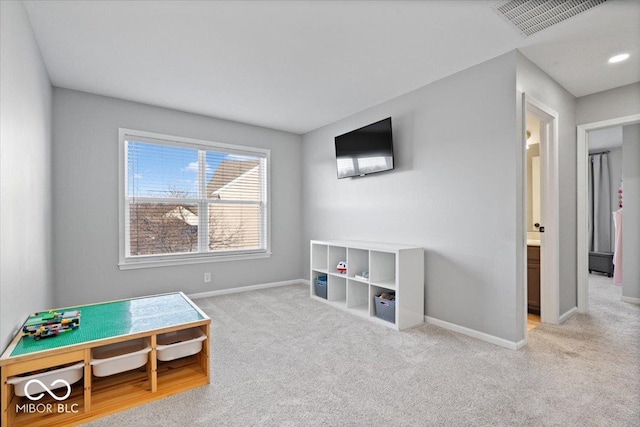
x,y
618,58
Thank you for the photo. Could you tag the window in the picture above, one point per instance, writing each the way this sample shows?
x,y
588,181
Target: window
x,y
185,201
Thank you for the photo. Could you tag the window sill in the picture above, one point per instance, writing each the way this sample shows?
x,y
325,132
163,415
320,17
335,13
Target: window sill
x,y
151,263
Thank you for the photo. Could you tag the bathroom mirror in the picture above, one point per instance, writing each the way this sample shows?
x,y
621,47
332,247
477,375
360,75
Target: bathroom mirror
x,y
533,187
535,192
533,172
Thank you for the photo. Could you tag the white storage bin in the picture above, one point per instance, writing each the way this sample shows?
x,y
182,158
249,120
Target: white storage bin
x,y
71,374
177,344
119,357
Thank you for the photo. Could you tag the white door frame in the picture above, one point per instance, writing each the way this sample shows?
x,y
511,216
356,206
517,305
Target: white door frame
x,y
550,206
583,201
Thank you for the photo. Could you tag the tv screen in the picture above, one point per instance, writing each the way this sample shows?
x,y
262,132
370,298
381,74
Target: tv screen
x,y
365,150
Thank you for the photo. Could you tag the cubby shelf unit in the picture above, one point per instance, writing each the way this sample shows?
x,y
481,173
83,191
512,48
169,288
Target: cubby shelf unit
x,y
391,268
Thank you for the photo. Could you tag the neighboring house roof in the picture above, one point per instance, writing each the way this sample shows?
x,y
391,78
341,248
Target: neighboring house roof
x,y
183,214
227,172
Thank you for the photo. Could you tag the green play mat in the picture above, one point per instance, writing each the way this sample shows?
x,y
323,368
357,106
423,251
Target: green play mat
x,y
118,318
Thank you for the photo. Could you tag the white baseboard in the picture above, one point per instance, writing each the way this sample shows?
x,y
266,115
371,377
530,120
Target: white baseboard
x,y
632,300
248,288
567,315
475,334
305,282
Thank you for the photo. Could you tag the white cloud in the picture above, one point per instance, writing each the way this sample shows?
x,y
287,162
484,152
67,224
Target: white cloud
x,y
240,157
193,167
137,175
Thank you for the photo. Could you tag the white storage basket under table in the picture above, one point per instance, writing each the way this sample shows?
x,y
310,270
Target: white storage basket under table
x,y
52,379
179,344
120,357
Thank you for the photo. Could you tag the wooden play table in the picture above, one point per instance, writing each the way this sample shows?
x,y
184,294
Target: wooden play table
x,y
103,324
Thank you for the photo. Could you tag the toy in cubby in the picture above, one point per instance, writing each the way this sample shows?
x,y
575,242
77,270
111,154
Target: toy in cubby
x,y
342,267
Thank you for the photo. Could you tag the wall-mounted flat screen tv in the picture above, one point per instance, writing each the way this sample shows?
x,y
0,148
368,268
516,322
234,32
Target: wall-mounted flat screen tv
x,y
365,150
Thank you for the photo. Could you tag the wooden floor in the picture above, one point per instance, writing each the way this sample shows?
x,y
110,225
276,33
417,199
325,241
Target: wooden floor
x,y
533,320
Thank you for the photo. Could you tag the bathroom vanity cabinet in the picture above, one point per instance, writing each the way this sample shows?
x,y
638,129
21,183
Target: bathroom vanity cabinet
x,y
533,279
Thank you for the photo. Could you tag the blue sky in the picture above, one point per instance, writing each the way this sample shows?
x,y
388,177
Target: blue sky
x,y
154,170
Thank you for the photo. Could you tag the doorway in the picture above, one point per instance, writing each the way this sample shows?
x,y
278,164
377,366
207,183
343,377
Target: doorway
x,y
534,198
542,235
583,201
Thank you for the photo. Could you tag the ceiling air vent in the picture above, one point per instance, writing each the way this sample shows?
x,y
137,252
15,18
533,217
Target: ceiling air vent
x,y
531,16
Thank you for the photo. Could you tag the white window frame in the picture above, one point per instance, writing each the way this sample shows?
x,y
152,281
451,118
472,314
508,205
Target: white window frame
x,y
147,261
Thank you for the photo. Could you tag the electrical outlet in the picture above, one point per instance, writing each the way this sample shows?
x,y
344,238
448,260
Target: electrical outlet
x,y
207,277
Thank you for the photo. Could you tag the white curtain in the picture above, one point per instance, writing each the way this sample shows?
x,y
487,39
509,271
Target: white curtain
x,y
599,203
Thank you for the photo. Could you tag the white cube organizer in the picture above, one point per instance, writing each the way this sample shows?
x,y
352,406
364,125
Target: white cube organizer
x,y
183,343
372,269
50,378
119,357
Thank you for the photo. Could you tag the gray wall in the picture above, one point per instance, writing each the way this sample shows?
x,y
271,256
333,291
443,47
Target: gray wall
x,y
453,193
25,173
85,206
609,104
631,211
535,82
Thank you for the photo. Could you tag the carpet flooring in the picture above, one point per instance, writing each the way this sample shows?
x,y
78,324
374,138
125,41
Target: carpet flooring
x,y
281,359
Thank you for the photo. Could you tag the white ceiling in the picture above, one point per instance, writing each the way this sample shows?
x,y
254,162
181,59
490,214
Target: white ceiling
x,y
299,65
